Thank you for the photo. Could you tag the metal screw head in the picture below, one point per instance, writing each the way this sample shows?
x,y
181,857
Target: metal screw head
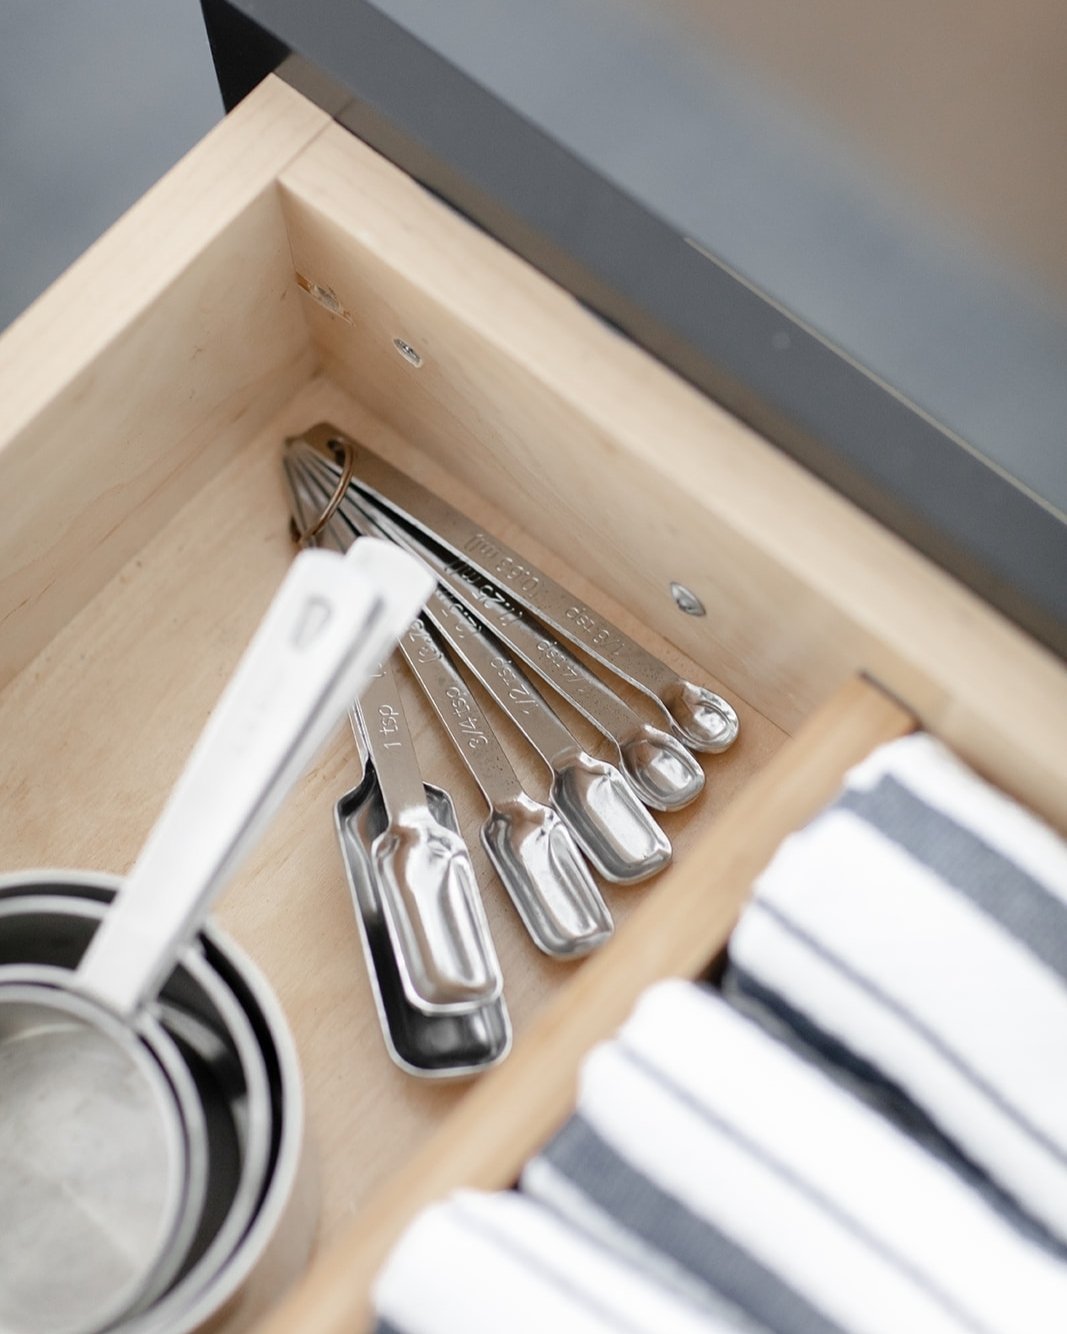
x,y
407,352
686,600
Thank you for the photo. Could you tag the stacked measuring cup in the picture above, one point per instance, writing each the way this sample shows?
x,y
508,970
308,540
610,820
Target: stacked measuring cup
x,y
494,620
151,1117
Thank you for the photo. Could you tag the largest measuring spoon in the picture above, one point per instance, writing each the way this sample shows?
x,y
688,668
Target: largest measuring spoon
x,y
87,1075
428,889
435,1045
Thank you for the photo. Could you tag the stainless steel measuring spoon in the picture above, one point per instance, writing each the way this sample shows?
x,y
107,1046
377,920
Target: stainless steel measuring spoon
x,y
427,885
431,1045
594,798
82,1053
529,845
704,720
663,771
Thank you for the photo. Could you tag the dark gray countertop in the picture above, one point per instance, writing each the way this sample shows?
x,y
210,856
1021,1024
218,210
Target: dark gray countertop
x,y
97,101
784,196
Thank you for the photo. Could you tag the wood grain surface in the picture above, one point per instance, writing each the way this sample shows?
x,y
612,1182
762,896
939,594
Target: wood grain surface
x,y
132,379
97,727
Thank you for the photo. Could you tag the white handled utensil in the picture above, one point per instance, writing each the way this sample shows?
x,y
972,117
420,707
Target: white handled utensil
x,y
100,1127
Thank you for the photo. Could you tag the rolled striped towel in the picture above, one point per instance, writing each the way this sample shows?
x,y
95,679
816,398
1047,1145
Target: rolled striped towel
x,y
501,1264
717,1159
916,933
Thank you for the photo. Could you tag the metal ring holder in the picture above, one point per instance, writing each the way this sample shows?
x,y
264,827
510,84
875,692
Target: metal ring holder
x,y
345,455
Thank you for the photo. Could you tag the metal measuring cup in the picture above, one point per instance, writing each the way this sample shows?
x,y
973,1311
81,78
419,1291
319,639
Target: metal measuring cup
x,y
275,1245
83,1054
53,925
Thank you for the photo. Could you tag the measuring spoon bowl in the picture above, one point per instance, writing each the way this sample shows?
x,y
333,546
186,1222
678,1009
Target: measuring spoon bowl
x,y
609,823
429,1045
665,774
445,963
430,897
703,719
543,871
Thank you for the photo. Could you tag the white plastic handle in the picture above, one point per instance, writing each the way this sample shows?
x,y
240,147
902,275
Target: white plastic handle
x,y
332,621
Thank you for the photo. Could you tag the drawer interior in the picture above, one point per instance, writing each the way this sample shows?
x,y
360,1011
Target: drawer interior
x,y
97,727
275,280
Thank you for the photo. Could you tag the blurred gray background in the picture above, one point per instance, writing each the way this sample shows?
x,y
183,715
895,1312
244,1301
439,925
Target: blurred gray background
x,y
98,98
893,175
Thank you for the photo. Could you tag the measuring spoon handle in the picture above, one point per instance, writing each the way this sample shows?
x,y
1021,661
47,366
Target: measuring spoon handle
x,y
460,716
545,656
527,584
381,719
502,678
333,619
485,656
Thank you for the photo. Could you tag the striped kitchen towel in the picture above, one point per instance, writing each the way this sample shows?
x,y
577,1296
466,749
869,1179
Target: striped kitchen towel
x,y
715,1158
916,934
501,1264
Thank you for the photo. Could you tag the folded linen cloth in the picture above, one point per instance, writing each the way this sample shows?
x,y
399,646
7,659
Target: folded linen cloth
x,y
714,1156
485,1264
917,932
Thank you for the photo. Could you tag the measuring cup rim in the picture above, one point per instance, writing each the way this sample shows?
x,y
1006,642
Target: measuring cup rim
x,y
177,1110
287,1100
243,1049
291,1160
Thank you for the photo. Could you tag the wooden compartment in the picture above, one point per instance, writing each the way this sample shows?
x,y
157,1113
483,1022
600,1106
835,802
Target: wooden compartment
x,y
263,286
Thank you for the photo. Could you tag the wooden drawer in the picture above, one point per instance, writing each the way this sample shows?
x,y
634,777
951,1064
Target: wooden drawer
x,y
263,286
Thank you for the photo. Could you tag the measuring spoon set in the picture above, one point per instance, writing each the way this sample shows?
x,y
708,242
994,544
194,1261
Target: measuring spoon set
x,y
429,954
